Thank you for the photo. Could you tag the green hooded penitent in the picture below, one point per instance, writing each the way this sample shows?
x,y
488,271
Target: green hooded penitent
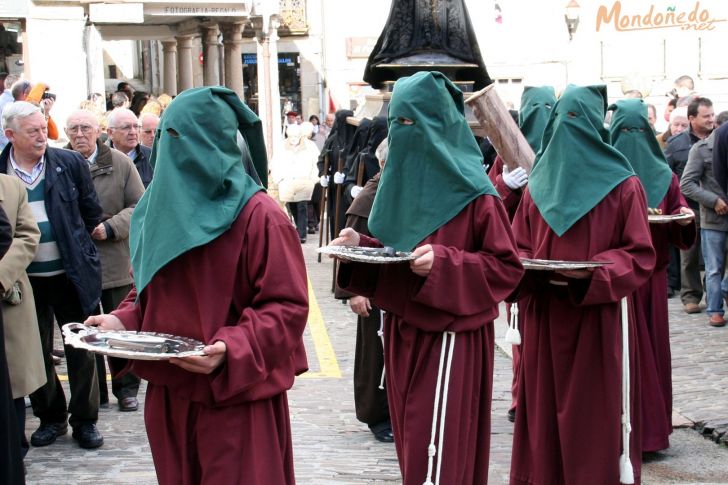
x,y
576,167
632,135
199,185
536,105
434,167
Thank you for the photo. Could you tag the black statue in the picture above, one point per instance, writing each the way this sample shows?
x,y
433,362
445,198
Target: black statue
x,y
423,33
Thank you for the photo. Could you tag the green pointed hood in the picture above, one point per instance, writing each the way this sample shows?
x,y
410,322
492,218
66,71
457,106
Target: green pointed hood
x,y
576,167
536,105
632,135
200,185
434,167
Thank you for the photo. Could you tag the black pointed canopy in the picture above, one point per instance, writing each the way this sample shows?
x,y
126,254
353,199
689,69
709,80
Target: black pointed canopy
x,y
420,32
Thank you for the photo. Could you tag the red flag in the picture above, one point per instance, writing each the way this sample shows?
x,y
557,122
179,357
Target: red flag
x,y
332,105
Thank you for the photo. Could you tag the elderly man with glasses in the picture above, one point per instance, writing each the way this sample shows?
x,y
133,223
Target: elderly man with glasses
x,y
124,129
119,187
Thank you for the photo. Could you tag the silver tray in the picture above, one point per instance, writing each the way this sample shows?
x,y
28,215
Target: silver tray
x,y
556,264
128,344
360,254
665,218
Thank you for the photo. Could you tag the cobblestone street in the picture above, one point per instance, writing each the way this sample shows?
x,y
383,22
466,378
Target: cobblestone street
x,y
332,447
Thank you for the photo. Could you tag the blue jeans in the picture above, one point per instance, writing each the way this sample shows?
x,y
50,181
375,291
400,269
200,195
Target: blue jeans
x,y
716,286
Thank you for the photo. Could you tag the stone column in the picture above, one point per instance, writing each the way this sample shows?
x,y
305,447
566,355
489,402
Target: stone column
x,y
269,97
184,62
232,40
211,67
169,48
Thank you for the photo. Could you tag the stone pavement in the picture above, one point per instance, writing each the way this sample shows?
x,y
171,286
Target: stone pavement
x,y
332,448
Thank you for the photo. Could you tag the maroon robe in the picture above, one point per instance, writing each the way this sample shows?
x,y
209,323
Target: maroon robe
x,y
475,268
248,289
653,330
568,415
511,198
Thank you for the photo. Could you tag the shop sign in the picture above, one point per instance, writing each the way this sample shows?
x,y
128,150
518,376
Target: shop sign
x,y
676,15
197,10
360,47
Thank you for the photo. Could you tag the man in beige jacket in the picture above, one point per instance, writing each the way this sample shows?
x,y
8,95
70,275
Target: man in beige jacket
x,y
22,338
119,187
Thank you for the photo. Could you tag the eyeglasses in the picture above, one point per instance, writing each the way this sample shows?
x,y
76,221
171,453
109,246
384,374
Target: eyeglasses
x,y
126,128
84,129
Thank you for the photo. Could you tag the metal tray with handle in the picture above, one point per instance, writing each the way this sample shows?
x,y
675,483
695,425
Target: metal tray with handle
x,y
665,218
128,344
360,254
555,264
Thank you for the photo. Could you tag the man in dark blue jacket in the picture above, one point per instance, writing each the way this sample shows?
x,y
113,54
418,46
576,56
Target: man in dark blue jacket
x,y
65,273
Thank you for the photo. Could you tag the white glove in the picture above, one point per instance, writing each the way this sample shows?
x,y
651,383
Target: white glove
x,y
356,190
324,181
515,179
339,178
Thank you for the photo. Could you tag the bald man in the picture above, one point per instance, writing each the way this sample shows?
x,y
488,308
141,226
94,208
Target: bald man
x,y
119,187
149,122
124,129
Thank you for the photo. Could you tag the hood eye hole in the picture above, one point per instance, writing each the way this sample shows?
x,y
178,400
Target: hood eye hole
x,y
172,132
404,121
572,114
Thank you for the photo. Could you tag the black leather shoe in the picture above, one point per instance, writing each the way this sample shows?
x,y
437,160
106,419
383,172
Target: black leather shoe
x,y
384,435
128,404
512,415
47,433
311,230
87,436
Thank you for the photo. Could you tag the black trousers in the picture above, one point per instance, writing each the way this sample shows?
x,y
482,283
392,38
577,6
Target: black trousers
x,y
673,269
11,457
300,216
55,296
128,384
314,208
369,400
20,414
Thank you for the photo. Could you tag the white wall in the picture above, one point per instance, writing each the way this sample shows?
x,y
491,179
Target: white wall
x,y
55,56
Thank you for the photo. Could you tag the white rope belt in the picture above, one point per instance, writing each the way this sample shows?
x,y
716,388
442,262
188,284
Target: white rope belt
x,y
446,353
380,332
626,473
513,336
558,283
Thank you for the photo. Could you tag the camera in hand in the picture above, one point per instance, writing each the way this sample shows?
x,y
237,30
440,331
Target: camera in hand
x,y
48,95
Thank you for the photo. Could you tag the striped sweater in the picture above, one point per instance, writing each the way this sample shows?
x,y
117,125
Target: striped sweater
x,y
47,261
